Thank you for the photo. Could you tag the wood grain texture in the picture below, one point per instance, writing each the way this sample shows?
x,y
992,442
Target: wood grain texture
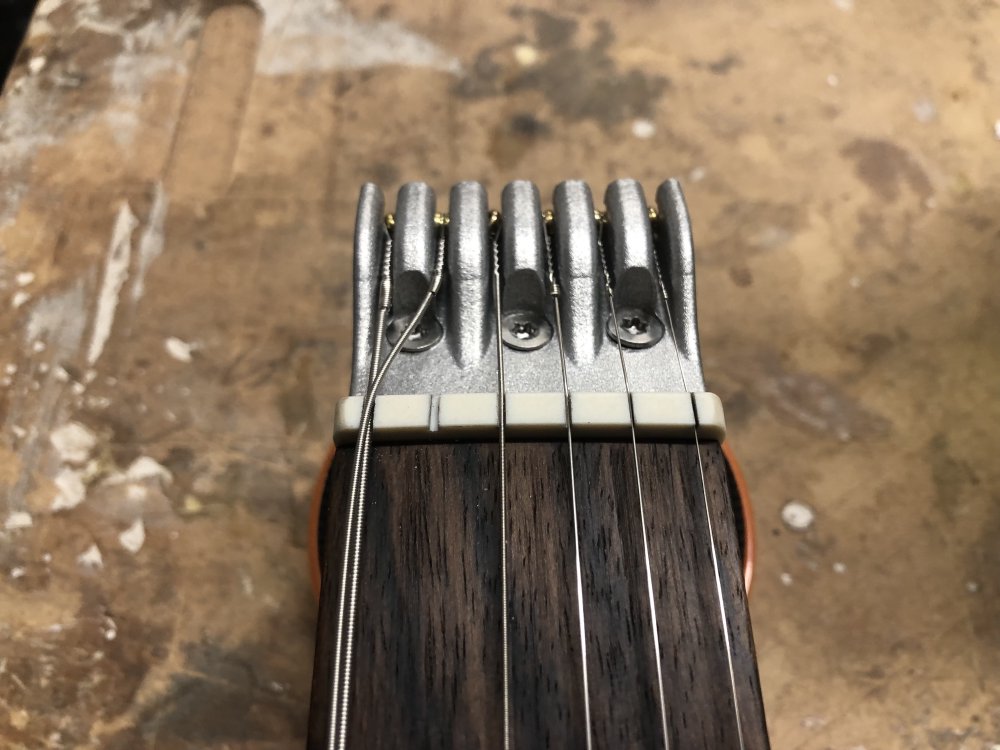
x,y
428,664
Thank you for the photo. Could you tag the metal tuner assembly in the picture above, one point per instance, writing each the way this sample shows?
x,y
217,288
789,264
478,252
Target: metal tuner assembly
x,y
601,301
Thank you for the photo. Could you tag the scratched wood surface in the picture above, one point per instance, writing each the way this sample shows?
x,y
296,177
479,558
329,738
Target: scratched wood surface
x,y
176,199
428,664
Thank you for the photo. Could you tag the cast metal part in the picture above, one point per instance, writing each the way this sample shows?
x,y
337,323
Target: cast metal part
x,y
649,256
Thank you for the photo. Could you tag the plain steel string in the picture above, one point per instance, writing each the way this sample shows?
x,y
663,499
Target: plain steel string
x,y
704,493
385,297
555,292
501,421
361,469
638,481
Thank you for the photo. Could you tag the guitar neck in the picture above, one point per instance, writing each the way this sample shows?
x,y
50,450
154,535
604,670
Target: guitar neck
x,y
428,632
529,536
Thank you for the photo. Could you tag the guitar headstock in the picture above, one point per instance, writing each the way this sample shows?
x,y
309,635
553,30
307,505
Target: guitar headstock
x,y
607,293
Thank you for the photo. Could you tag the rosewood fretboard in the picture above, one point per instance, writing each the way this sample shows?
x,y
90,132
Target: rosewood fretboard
x,y
428,654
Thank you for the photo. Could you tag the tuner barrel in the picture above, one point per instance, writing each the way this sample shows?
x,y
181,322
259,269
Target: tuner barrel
x,y
579,269
469,270
633,265
368,236
413,248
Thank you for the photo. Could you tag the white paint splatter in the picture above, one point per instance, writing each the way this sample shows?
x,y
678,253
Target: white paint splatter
x,y
145,467
73,442
797,516
91,558
814,722
178,349
38,347
98,403
133,537
996,130
832,80
972,586
59,318
24,278
924,110
109,628
151,242
18,572
845,5
643,128
19,519
526,55
148,51
71,489
36,64
323,35
786,579
19,298
697,174
47,7
33,116
136,492
10,368
115,273
108,28
19,432
839,568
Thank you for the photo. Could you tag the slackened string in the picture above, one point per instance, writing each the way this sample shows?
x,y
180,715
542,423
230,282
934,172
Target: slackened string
x,y
352,551
384,300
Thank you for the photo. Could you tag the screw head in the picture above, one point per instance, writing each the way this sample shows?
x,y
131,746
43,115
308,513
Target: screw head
x,y
524,330
635,329
423,336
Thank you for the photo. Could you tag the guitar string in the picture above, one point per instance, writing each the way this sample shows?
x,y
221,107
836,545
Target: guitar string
x,y
384,300
501,421
704,493
361,470
638,481
555,292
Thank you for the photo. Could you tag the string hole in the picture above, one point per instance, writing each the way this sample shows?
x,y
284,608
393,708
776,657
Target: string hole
x,y
525,330
424,335
634,328
634,325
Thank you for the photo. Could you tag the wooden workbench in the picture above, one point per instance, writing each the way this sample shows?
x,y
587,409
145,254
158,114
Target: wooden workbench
x,y
177,186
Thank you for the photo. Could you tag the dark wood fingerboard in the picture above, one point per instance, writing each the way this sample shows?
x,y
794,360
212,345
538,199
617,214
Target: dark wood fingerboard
x,y
427,670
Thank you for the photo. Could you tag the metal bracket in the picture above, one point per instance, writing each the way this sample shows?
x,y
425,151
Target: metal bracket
x,y
649,256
